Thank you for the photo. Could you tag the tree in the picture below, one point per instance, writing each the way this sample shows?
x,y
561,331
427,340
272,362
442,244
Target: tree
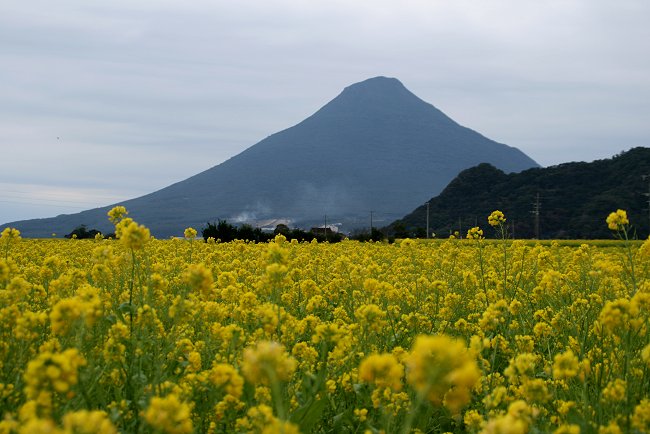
x,y
81,232
222,230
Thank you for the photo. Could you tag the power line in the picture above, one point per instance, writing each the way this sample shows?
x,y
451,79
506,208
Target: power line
x,y
644,177
427,219
535,212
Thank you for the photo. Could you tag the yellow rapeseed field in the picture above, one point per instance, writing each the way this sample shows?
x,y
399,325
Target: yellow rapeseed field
x,y
138,335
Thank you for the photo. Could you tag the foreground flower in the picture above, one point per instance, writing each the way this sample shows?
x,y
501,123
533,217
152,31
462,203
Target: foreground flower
x,y
641,416
516,421
199,278
190,233
645,355
133,235
617,220
266,363
496,218
10,233
565,365
223,375
52,373
281,427
384,370
116,214
169,415
88,422
615,391
475,233
443,370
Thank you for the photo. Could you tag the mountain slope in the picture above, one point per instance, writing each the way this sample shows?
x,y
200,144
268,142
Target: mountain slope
x,y
376,146
575,199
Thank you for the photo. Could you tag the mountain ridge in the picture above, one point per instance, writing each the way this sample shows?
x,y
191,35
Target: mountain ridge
x,y
375,146
575,199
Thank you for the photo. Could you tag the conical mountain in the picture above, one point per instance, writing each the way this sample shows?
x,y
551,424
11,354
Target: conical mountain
x,y
376,146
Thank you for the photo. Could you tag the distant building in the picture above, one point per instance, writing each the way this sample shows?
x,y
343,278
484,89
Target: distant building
x,y
325,230
269,225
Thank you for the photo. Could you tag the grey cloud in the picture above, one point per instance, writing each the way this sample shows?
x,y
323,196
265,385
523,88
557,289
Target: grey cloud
x,y
159,90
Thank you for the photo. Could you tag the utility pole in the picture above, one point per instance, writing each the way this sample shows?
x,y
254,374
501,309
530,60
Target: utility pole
x,y
427,219
535,212
644,177
325,227
371,223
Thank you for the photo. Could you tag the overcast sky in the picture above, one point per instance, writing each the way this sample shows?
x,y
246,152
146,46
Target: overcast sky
x,y
101,101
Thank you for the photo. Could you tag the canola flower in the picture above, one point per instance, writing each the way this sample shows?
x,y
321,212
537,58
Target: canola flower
x,y
133,235
475,233
88,422
496,218
7,236
565,365
117,213
9,233
443,370
382,370
169,415
190,233
49,375
144,335
267,362
617,220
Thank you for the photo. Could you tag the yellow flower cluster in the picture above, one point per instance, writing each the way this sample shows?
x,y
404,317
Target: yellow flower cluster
x,y
516,420
266,363
641,416
199,279
9,233
437,336
565,365
383,370
617,220
190,233
496,218
132,235
88,422
475,233
51,373
86,304
443,370
169,415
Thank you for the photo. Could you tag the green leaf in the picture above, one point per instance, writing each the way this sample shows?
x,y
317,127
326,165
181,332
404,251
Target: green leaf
x,y
308,416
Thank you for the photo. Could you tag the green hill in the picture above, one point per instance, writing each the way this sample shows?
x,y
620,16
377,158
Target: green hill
x,y
574,199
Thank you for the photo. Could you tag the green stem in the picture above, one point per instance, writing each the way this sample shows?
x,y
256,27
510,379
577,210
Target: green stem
x,y
480,261
630,258
504,236
131,283
130,387
406,429
276,393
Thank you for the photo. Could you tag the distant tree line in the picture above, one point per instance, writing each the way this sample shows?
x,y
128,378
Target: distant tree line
x,y
225,232
82,232
374,235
